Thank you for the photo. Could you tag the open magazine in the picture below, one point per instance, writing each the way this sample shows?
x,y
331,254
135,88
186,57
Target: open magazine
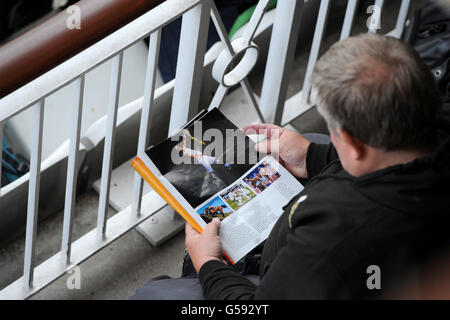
x,y
209,169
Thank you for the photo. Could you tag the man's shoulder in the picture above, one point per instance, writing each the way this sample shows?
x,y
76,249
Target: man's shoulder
x,y
328,216
349,231
332,209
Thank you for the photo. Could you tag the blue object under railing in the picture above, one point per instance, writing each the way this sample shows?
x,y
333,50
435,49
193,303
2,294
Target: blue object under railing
x,y
13,165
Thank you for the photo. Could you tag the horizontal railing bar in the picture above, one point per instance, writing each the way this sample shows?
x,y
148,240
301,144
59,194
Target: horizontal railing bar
x,y
93,56
62,36
33,194
146,113
72,170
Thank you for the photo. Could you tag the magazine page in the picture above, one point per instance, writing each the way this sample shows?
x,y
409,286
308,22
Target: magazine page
x,y
250,206
212,169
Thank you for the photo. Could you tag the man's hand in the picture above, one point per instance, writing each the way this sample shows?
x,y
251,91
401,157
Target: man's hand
x,y
206,246
289,146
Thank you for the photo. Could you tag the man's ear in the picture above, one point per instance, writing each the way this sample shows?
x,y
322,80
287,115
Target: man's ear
x,y
355,148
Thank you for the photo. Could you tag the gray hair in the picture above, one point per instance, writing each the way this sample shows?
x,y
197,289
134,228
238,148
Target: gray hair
x,y
379,90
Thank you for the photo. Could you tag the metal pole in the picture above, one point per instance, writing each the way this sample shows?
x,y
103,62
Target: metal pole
x,y
402,15
255,20
72,172
191,54
116,74
149,92
33,194
348,20
222,91
314,54
1,155
375,18
280,58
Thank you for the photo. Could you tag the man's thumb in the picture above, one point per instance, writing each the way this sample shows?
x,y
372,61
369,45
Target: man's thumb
x,y
212,228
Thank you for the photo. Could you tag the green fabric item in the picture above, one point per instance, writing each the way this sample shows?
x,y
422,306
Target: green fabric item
x,y
245,16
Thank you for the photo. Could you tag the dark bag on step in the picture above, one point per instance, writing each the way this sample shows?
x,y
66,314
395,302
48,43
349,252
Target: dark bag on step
x,y
429,33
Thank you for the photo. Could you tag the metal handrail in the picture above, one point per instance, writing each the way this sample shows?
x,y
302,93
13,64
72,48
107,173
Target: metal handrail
x,y
24,58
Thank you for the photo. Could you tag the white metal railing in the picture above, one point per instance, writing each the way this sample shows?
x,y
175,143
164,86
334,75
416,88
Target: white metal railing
x,y
195,19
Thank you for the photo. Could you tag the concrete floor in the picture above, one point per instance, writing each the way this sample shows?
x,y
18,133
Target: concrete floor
x,y
120,268
113,273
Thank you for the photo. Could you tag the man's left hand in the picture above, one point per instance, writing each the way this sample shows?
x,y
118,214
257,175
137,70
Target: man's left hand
x,y
206,246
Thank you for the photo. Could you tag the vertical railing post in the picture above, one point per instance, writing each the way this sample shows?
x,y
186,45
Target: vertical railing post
x,y
251,99
190,60
280,58
348,20
221,91
113,103
1,155
191,54
72,170
33,194
255,20
147,106
315,47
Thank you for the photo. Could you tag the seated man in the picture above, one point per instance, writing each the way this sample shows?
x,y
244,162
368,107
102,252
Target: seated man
x,y
375,210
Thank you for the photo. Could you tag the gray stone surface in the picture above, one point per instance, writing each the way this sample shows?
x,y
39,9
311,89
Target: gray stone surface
x,y
48,239
120,268
113,273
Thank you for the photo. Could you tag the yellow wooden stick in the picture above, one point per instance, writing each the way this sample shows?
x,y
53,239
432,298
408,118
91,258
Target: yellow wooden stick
x,y
156,185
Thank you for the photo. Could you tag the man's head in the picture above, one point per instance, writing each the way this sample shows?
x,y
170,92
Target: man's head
x,y
378,98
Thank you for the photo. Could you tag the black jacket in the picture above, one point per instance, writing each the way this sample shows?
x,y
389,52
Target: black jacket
x,y
397,218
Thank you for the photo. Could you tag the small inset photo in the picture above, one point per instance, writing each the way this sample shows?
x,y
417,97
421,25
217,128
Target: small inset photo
x,y
238,195
261,177
215,208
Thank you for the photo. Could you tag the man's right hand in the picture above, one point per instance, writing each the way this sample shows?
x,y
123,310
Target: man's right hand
x,y
289,146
